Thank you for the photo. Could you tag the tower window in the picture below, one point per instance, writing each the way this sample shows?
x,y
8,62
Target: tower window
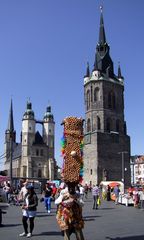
x,y
88,125
91,94
96,95
125,129
117,125
91,171
41,152
37,152
111,100
98,123
108,125
39,173
101,48
88,100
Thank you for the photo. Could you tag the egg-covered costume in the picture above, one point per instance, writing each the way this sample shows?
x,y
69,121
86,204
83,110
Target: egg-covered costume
x,y
69,211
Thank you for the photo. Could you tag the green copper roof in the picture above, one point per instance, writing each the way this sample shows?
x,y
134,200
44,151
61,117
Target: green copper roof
x,y
29,112
48,113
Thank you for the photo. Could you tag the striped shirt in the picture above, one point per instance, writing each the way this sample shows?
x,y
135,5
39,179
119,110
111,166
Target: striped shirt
x,y
95,191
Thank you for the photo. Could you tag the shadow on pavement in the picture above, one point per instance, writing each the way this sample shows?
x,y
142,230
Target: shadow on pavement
x,y
49,234
95,216
10,225
127,238
44,215
90,218
105,208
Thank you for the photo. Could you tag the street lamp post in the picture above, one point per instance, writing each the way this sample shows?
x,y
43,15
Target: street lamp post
x,y
123,167
11,157
132,163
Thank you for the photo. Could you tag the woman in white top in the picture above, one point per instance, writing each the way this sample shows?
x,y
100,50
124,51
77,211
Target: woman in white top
x,y
29,211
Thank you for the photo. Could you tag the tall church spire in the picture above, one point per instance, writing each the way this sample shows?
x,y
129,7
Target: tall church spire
x,y
103,62
10,121
10,133
102,37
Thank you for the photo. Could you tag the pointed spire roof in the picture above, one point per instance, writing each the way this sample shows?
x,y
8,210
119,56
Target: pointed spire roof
x,y
103,62
87,70
38,138
10,121
119,71
102,37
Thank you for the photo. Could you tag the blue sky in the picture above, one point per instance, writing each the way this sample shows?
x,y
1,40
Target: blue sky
x,y
44,48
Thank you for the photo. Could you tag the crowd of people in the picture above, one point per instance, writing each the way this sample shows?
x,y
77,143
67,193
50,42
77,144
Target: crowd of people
x,y
69,201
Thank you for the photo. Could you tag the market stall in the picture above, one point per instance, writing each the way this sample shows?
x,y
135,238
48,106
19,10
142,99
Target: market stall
x,y
125,199
111,184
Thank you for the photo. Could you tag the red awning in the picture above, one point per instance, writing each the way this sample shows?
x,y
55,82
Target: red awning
x,y
114,184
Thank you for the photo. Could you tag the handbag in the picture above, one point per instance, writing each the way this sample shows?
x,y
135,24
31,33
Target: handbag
x,y
98,201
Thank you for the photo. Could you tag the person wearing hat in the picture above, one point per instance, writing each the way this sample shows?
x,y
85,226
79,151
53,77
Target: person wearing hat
x,y
29,209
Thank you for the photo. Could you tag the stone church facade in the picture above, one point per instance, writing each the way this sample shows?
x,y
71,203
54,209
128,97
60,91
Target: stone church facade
x,y
34,156
106,143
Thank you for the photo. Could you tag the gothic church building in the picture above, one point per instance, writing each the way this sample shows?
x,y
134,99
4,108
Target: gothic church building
x,y
33,157
106,143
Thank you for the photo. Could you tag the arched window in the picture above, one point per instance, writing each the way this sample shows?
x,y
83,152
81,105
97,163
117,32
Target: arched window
x,y
88,125
37,152
88,99
111,100
41,152
91,94
98,123
39,173
117,125
96,94
108,125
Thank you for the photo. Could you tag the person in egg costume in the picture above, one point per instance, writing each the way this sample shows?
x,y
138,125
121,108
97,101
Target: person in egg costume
x,y
69,205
